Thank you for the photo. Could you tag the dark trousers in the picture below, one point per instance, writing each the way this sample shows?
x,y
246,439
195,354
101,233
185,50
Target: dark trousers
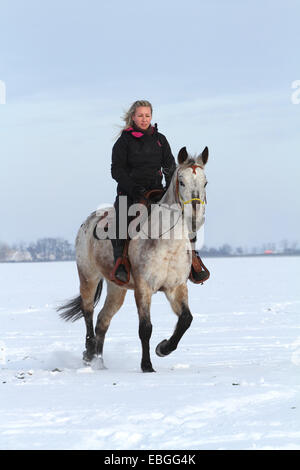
x,y
122,221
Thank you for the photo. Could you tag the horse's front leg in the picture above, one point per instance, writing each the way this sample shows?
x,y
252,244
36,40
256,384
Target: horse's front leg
x,y
143,300
178,299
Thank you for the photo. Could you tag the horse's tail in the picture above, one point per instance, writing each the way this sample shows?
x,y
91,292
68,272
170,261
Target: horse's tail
x,y
72,310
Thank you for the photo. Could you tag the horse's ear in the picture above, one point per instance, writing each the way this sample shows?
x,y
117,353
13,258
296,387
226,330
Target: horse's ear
x,y
182,155
204,156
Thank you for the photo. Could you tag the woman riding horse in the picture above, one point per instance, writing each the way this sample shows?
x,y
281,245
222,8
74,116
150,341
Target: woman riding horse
x,y
140,158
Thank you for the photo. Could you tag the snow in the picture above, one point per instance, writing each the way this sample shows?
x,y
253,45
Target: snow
x,y
233,382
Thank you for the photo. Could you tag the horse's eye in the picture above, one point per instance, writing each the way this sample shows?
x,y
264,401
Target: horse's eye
x,y
181,183
205,184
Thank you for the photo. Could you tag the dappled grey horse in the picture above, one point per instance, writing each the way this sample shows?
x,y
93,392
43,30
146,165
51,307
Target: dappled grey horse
x,y
162,263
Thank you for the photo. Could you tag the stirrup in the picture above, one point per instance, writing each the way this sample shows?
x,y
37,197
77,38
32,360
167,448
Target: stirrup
x,y
199,272
122,260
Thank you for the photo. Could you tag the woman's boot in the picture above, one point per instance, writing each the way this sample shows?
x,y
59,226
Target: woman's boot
x,y
121,269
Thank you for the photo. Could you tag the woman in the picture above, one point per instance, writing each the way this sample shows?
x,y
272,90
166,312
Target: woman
x,y
140,158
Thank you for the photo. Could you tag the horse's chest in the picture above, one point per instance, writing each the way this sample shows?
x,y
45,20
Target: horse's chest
x,y
178,268
164,268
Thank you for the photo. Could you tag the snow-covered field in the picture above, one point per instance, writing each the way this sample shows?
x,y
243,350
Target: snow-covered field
x,y
233,383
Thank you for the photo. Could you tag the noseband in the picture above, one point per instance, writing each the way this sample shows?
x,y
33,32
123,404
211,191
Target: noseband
x,y
194,167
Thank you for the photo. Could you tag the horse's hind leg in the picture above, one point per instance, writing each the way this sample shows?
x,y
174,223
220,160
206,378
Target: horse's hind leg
x,y
88,288
113,302
143,301
178,299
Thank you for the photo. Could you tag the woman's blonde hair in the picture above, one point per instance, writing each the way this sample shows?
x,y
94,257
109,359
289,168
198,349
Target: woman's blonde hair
x,y
127,116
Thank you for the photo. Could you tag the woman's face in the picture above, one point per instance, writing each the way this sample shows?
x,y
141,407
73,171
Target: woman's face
x,y
142,117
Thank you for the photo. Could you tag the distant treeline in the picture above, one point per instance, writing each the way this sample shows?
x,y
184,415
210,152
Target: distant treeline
x,y
44,249
58,249
283,248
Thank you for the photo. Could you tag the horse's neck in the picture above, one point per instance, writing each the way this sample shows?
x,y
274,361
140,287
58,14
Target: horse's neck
x,y
172,221
169,197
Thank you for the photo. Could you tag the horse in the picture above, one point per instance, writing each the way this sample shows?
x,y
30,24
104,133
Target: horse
x,y
173,255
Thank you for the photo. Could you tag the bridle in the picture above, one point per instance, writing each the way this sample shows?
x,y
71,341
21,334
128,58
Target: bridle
x,y
180,199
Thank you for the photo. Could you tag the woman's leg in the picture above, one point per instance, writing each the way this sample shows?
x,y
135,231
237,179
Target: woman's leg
x,y
121,209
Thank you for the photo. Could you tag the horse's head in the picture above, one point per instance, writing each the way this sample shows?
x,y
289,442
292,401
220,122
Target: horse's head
x,y
190,187
191,180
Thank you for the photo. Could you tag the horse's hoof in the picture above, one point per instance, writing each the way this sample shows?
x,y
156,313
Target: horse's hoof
x,y
147,368
159,348
87,358
97,363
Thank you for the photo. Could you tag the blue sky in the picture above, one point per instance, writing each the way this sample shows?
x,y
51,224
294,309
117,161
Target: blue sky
x,y
218,73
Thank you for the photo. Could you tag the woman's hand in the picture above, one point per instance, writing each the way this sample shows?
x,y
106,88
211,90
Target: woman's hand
x,y
138,194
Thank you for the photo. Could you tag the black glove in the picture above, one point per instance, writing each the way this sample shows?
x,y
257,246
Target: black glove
x,y
138,193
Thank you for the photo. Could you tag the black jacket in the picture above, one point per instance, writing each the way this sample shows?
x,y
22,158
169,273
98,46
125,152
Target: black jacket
x,y
140,159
